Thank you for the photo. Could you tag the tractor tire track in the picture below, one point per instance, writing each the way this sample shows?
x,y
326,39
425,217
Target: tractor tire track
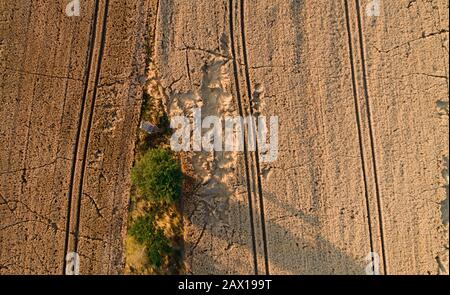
x,y
258,169
253,181
91,115
371,135
77,151
246,154
358,122
363,110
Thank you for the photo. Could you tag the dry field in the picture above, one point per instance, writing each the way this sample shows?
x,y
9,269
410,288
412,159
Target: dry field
x,y
361,98
71,91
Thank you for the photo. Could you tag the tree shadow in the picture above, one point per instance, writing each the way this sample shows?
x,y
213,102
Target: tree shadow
x,y
225,247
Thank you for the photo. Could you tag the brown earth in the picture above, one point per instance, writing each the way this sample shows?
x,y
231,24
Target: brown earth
x,y
70,103
362,103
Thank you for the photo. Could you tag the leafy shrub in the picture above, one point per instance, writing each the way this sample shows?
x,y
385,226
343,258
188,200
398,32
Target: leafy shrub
x,y
157,245
158,176
158,249
143,227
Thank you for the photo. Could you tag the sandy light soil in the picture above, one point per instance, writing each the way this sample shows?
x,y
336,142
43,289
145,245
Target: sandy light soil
x,y
363,134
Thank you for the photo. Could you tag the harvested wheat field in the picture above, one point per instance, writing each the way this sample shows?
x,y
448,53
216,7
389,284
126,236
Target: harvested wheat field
x,y
71,94
358,180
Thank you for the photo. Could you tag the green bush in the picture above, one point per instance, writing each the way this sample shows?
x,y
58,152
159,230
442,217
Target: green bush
x,y
158,249
157,245
158,176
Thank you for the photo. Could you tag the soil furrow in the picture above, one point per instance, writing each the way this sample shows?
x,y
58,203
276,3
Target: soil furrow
x,y
91,115
371,136
246,154
358,121
91,48
258,169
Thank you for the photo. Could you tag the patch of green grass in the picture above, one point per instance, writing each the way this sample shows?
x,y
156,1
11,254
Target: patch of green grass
x,y
158,246
158,176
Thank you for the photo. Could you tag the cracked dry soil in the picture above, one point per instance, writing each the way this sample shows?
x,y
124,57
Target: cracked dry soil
x,y
362,103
